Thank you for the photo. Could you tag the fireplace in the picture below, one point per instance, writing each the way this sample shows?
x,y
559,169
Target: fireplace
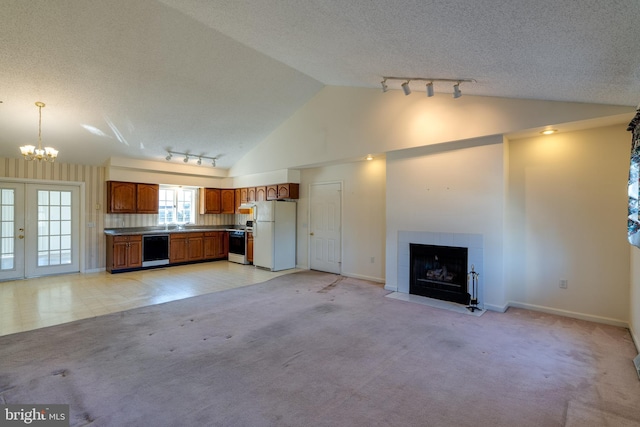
x,y
439,272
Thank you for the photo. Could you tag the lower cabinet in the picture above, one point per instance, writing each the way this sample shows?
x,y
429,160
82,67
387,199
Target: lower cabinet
x,y
124,252
185,247
216,245
250,247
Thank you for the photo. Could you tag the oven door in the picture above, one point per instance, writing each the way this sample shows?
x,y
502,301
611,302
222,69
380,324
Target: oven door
x,y
237,247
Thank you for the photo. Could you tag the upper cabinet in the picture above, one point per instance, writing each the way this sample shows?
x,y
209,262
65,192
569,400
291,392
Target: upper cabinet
x,y
283,191
210,201
251,194
131,197
261,194
228,201
147,198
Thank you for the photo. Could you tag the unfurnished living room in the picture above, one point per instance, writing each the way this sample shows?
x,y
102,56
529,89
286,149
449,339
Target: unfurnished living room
x,y
319,213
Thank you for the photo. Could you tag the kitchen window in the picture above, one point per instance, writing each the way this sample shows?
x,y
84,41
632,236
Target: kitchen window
x,y
177,205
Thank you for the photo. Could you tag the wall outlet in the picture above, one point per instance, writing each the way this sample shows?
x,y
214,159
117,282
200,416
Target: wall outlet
x,y
564,283
91,224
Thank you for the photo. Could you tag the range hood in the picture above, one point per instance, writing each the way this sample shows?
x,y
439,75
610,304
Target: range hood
x,y
246,206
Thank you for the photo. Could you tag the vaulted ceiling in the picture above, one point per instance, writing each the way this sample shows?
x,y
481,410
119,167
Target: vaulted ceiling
x,y
136,78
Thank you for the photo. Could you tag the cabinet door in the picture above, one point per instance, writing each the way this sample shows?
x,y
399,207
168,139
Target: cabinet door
x,y
147,198
237,200
210,201
272,192
228,201
288,191
251,194
195,247
121,197
250,247
119,255
134,255
261,194
177,248
243,195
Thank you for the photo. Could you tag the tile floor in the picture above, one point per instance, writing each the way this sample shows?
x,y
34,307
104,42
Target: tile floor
x,y
45,301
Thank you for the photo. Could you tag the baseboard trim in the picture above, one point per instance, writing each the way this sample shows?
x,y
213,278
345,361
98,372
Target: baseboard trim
x,y
362,277
635,338
94,270
391,288
572,314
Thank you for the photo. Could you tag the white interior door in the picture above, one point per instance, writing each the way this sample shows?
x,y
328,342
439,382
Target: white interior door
x,y
11,230
325,234
52,229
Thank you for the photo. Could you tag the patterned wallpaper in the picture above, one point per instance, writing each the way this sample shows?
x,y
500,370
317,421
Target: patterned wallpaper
x,y
95,199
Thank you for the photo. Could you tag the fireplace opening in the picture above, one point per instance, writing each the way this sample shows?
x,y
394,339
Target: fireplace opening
x,y
439,272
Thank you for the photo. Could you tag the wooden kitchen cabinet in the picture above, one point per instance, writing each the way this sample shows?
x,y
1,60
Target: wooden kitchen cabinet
x,y
124,252
121,197
237,200
228,204
147,196
250,247
210,201
283,191
251,194
185,247
216,245
261,194
131,197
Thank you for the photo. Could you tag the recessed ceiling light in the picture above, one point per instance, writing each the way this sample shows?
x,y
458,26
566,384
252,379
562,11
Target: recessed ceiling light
x,y
369,157
549,131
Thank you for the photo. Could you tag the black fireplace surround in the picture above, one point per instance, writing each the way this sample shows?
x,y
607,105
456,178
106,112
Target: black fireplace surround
x,y
439,272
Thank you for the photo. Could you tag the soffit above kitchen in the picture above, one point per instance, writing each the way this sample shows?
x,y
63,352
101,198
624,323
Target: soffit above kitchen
x,y
134,79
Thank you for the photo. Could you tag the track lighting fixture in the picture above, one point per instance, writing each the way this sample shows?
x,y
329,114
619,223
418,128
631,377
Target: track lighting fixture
x,y
457,93
456,90
405,88
187,157
430,89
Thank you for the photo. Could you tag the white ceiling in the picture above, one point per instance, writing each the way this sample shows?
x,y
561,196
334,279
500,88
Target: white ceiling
x,y
135,78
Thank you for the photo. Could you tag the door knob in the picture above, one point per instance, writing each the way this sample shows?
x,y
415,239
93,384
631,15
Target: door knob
x,y
311,234
21,237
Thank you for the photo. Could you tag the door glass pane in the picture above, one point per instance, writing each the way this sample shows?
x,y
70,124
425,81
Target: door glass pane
x,y
7,227
54,227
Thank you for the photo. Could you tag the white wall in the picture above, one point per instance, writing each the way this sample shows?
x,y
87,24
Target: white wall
x,y
567,220
345,124
363,216
450,188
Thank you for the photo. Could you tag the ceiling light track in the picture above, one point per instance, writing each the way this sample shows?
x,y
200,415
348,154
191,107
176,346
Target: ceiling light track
x,y
187,156
457,93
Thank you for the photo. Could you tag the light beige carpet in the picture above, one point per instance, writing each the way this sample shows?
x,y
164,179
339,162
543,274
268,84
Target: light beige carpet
x,y
315,349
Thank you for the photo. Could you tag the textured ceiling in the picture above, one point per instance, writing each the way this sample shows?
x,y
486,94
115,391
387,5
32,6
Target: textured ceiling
x,y
134,78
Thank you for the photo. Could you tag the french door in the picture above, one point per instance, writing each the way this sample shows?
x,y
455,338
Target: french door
x,y
39,230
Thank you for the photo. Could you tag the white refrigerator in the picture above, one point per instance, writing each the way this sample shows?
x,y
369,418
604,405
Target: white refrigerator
x,y
274,235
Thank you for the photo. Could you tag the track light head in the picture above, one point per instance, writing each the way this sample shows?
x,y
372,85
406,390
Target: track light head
x,y
456,90
405,88
199,162
384,85
186,158
213,162
169,156
430,89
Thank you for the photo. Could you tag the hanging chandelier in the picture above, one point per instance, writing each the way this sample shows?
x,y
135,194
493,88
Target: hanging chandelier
x,y
30,152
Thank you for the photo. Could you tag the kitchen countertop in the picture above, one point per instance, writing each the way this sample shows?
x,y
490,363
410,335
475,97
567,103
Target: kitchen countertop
x,y
172,229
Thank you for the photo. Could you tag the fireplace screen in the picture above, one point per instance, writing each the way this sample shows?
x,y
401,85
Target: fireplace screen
x,y
439,272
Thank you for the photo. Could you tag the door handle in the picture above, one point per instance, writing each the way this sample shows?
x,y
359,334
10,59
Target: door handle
x,y
311,234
